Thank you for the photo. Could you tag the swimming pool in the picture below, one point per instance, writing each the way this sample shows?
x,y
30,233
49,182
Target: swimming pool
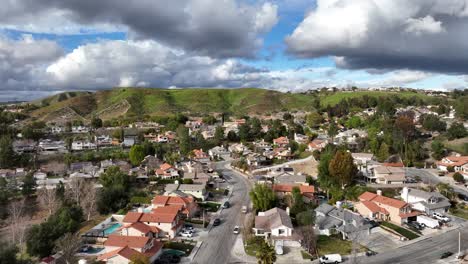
x,y
112,228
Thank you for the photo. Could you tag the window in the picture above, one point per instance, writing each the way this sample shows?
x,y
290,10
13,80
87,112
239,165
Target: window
x,y
281,231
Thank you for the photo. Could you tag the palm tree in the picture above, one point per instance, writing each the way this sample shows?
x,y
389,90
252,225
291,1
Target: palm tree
x,y
265,254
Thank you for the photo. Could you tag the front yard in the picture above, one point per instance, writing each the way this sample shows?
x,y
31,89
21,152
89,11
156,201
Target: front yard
x,y
335,245
252,244
400,230
461,210
209,206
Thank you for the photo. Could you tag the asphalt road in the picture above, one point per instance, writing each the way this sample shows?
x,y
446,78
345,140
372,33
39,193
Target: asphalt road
x,y
217,248
427,250
429,177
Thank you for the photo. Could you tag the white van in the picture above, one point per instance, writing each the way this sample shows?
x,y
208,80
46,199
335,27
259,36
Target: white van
x,y
440,217
331,258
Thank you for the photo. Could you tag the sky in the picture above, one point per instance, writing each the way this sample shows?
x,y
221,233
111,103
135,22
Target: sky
x,y
50,46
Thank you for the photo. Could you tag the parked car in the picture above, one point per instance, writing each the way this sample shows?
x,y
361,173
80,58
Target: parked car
x,y
244,209
186,234
236,230
168,258
370,253
217,222
226,205
415,225
189,227
446,254
440,217
279,247
331,258
463,197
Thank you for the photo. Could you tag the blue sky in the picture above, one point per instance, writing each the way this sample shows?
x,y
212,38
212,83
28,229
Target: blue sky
x,y
292,45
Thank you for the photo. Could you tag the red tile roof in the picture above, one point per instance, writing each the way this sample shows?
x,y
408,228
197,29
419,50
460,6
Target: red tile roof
x,y
374,208
125,252
132,217
372,197
394,164
165,166
144,228
124,241
158,217
289,187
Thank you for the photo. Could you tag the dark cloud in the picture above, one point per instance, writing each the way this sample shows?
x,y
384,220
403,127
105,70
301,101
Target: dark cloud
x,y
207,27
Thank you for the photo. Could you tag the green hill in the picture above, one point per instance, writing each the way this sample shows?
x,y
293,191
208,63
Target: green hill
x,y
118,102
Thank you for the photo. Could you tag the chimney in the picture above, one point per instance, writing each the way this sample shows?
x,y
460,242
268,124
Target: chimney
x,y
287,210
379,192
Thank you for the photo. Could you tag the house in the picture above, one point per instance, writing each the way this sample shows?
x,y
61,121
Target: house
x,y
123,249
103,141
288,178
150,163
139,229
217,152
281,142
389,175
200,155
301,139
166,219
282,153
456,162
286,189
83,145
24,146
196,190
427,202
54,168
255,159
167,171
274,224
331,220
197,177
317,144
79,129
238,148
349,136
50,145
188,203
129,140
378,207
361,159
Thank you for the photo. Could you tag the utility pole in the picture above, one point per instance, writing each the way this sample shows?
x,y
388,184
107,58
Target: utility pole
x,y
459,245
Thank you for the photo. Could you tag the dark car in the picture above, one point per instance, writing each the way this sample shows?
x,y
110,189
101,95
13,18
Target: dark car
x,y
226,205
415,225
168,258
370,253
217,222
463,197
446,254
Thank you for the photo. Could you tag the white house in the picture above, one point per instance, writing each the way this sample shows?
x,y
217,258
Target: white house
x,y
83,145
423,201
274,223
389,175
457,162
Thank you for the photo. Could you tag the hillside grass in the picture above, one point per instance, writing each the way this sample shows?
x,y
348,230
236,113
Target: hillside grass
x,y
156,102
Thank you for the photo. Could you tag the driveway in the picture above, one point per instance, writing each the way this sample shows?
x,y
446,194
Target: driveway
x,y
219,240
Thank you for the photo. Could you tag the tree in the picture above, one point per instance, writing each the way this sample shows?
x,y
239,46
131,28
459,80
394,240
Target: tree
x,y
354,122
88,201
118,134
298,201
456,130
16,212
112,199
8,253
96,122
432,122
314,120
68,245
263,197
323,169
7,154
136,154
48,200
383,153
309,239
438,149
305,218
265,253
458,177
332,130
29,184
232,136
219,135
114,177
342,168
185,143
